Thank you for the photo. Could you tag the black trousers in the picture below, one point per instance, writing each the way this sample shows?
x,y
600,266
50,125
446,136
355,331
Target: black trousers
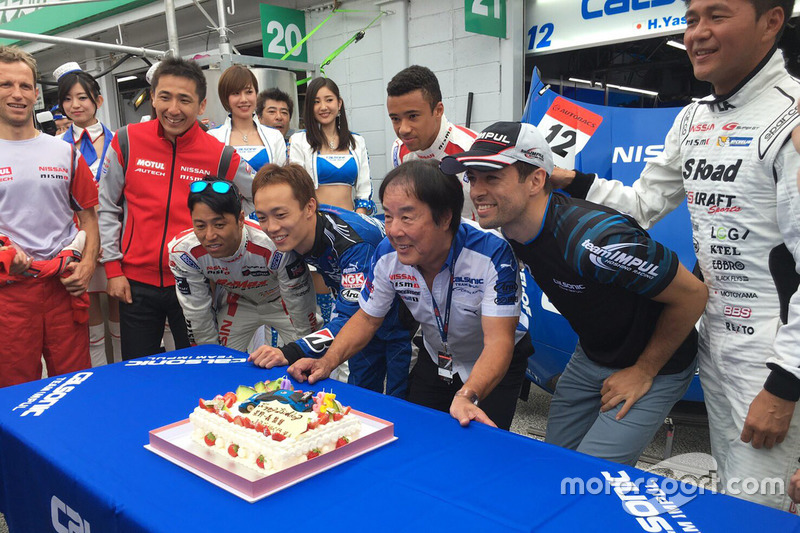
x,y
428,389
141,323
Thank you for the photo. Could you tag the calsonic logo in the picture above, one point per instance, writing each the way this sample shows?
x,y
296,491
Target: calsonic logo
x,y
51,394
570,287
611,257
352,281
185,360
707,171
734,141
497,137
146,163
189,261
5,174
615,7
65,519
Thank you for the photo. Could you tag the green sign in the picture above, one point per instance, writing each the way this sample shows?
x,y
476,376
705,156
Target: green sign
x,y
31,17
281,29
487,17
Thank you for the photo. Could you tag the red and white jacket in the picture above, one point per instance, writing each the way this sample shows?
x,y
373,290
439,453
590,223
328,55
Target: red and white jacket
x,y
144,185
451,140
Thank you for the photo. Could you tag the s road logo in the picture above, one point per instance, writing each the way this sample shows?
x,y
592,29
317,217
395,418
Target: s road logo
x,y
702,170
612,257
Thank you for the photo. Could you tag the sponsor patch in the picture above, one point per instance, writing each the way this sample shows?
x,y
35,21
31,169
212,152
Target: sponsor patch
x,y
296,269
183,285
613,257
352,281
275,262
189,261
319,340
350,295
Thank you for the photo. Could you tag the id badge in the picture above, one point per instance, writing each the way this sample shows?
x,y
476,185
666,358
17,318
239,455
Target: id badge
x,y
446,367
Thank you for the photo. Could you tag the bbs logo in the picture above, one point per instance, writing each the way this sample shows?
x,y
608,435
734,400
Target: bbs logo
x,y
736,311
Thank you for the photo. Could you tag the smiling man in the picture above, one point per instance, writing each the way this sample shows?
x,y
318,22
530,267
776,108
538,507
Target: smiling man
x,y
230,266
415,107
729,155
339,244
627,297
144,184
460,282
44,184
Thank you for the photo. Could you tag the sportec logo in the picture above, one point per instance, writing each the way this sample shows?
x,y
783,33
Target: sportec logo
x,y
716,203
50,394
707,171
612,257
65,519
734,141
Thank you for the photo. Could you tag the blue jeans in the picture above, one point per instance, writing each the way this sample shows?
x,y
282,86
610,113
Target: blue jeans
x,y
575,420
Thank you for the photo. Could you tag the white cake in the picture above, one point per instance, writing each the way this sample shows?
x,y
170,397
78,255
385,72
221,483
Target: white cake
x,y
271,427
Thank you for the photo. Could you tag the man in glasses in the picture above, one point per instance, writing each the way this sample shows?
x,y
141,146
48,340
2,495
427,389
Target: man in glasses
x,y
253,283
143,189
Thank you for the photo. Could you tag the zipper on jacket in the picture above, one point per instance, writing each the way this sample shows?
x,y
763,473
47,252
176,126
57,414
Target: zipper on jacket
x,y
166,215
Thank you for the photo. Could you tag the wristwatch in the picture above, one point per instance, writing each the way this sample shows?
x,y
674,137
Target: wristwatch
x,y
469,394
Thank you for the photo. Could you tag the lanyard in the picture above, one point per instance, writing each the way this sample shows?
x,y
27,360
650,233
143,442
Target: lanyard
x,y
444,325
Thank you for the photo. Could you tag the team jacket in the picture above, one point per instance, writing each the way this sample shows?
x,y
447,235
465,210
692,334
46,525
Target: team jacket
x,y
485,282
273,141
144,185
300,152
601,271
451,140
257,272
731,158
342,254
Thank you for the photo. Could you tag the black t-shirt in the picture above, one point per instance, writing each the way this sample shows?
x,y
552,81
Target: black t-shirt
x,y
600,269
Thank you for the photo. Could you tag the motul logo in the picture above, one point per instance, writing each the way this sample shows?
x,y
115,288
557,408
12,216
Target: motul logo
x,y
5,171
146,163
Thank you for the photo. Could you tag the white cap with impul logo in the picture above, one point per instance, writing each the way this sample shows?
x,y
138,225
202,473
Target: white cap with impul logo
x,y
502,144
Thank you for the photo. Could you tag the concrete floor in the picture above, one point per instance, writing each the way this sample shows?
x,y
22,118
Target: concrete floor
x,y
691,443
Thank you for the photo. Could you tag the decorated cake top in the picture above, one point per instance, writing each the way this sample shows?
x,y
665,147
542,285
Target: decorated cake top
x,y
275,408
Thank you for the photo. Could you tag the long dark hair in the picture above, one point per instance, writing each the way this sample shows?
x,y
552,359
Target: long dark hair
x,y
314,133
86,81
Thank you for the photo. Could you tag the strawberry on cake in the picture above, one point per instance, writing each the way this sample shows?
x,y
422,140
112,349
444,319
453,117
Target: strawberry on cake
x,y
271,426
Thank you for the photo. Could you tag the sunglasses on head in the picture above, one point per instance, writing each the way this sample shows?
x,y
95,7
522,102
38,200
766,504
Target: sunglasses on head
x,y
219,187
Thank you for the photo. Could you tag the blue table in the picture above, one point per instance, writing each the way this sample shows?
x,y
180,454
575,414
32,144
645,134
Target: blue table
x,y
74,461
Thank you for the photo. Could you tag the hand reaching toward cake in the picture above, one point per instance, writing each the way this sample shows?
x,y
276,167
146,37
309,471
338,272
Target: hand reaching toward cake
x,y
267,356
311,370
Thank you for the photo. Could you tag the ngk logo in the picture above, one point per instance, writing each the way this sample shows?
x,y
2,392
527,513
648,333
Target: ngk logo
x,y
737,312
66,519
